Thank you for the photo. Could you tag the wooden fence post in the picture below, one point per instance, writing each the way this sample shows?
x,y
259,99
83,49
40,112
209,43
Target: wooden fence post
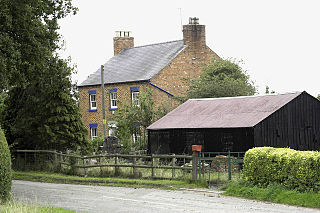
x,y
195,165
229,166
134,167
60,162
116,168
84,168
100,166
196,149
173,165
25,161
152,169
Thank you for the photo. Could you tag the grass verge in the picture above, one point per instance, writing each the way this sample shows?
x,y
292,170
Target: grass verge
x,y
22,208
274,193
124,182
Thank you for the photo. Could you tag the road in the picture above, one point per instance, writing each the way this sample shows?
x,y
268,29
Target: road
x,y
84,198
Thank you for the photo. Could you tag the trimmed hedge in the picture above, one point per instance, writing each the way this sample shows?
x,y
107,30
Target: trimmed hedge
x,y
294,169
5,169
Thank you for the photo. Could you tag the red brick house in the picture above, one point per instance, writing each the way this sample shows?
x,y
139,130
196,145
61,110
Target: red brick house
x,y
162,67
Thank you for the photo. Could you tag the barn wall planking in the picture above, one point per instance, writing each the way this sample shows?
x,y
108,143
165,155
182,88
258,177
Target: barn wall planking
x,y
295,125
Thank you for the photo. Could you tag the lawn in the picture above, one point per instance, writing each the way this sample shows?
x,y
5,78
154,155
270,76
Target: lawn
x,y
274,193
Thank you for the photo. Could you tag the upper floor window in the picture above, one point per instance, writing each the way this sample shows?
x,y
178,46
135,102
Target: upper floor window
x,y
135,95
92,100
113,98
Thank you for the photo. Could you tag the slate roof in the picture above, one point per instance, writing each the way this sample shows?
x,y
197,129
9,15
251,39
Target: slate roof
x,y
235,112
137,63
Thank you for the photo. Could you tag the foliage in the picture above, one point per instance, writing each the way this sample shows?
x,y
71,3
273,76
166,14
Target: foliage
x,y
3,96
28,38
5,169
298,170
221,78
268,90
134,120
275,193
34,121
96,143
318,97
23,208
41,111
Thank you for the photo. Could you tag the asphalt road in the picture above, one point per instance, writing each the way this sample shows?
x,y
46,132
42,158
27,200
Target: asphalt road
x,y
83,198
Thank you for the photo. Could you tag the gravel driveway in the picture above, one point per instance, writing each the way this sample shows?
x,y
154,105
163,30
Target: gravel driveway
x,y
83,198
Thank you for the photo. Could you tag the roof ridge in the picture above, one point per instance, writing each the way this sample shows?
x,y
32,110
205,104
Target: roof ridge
x,y
248,96
153,44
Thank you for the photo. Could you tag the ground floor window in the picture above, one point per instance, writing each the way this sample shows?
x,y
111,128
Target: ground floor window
x,y
93,131
112,128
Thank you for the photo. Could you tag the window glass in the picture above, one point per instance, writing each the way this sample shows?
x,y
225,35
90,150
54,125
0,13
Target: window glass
x,y
93,132
93,102
113,100
135,98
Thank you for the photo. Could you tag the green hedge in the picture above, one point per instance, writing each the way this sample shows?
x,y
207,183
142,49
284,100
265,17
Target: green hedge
x,y
294,169
5,169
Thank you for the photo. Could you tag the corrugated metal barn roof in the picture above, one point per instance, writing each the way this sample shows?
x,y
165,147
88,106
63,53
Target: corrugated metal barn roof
x,y
137,63
232,112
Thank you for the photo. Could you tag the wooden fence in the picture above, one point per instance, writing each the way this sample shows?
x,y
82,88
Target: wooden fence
x,y
204,165
24,159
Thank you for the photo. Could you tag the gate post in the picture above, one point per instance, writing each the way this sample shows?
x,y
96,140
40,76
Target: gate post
x,y
229,166
196,150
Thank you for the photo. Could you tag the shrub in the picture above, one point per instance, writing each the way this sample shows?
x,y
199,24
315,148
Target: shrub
x,y
294,169
5,169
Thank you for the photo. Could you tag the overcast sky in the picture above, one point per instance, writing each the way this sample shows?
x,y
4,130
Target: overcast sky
x,y
278,40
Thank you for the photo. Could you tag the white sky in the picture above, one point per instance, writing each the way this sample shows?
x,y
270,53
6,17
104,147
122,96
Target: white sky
x,y
278,40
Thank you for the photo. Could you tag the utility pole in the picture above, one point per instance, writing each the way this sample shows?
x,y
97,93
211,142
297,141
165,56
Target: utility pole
x,y
104,122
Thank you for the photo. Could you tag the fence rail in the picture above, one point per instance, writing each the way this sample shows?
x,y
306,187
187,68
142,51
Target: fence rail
x,y
204,166
115,161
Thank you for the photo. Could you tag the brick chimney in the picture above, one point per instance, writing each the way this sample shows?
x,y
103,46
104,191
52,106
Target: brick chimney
x,y
194,34
122,41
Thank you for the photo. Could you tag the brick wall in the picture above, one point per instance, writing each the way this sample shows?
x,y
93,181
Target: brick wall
x,y
174,78
188,65
123,95
119,43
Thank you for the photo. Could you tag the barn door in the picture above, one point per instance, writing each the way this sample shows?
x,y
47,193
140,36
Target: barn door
x,y
227,141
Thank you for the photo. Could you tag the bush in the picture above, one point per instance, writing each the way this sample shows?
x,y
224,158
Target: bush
x,y
5,169
294,169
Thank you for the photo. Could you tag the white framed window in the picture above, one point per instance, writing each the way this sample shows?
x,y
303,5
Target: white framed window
x,y
93,132
93,101
112,128
135,98
136,137
113,100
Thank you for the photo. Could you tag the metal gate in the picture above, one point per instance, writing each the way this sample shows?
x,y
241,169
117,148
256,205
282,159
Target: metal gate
x,y
218,167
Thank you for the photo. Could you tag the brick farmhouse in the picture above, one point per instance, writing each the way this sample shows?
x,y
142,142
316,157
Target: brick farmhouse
x,y
165,68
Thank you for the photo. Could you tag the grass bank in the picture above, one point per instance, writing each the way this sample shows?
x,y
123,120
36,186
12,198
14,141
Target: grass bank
x,y
273,193
124,182
22,208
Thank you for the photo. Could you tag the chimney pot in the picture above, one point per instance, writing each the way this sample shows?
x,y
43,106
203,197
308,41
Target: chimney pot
x,y
193,20
194,34
122,41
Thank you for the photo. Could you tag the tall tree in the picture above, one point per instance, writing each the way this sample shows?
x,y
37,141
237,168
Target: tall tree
x,y
28,38
221,78
40,110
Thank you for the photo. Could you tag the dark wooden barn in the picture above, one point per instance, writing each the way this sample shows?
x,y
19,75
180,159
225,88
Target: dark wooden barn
x,y
238,124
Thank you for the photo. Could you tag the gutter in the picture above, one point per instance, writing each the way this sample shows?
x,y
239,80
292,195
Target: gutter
x,y
164,91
